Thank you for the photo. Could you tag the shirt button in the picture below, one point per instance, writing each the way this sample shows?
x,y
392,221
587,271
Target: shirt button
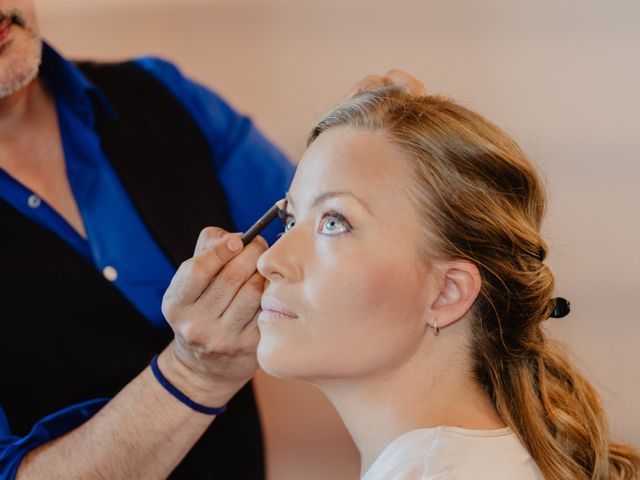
x,y
34,201
110,273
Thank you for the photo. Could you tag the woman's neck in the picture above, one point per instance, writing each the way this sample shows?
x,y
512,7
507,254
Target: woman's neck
x,y
432,388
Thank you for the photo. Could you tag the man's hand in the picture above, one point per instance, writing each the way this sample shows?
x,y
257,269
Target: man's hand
x,y
393,77
212,305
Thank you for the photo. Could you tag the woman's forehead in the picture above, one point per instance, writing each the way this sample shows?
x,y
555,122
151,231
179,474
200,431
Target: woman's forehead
x,y
364,163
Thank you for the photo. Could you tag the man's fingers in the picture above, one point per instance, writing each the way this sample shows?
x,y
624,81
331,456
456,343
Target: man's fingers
x,y
245,305
394,77
235,333
209,237
403,80
250,336
218,295
367,83
194,275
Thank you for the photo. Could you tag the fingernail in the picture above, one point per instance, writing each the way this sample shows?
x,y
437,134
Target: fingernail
x,y
234,244
264,242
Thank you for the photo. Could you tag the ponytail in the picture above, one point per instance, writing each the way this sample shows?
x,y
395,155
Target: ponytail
x,y
556,414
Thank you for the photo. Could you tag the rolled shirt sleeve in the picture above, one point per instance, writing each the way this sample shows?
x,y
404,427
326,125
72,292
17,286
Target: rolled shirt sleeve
x,y
13,448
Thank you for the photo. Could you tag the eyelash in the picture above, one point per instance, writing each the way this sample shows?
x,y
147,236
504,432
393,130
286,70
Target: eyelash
x,y
285,217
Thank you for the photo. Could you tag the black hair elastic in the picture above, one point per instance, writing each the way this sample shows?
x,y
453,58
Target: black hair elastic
x,y
561,307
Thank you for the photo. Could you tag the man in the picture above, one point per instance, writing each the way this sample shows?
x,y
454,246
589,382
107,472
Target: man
x,y
107,175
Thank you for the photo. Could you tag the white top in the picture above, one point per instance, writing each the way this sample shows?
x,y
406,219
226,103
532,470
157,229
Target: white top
x,y
455,454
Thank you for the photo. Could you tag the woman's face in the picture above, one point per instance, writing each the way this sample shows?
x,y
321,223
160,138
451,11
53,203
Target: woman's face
x,y
346,292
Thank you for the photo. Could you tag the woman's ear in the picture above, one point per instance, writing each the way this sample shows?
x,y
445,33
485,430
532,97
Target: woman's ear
x,y
458,287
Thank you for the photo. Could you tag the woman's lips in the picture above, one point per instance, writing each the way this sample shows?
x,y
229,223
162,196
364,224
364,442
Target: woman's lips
x,y
272,308
5,29
273,314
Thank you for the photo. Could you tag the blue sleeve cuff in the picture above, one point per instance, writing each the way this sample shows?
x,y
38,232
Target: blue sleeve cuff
x,y
14,448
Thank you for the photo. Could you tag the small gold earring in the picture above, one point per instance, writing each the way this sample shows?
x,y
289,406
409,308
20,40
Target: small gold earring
x,y
436,328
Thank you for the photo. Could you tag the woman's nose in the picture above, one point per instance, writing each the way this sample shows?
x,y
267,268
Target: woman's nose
x,y
266,263
281,260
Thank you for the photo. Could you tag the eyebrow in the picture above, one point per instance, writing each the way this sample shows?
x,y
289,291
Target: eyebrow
x,y
323,197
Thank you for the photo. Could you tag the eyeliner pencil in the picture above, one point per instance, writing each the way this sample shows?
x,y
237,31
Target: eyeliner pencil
x,y
264,220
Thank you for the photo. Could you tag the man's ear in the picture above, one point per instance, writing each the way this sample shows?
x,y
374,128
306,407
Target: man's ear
x,y
458,287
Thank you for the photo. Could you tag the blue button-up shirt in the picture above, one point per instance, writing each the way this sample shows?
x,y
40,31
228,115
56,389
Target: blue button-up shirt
x,y
253,173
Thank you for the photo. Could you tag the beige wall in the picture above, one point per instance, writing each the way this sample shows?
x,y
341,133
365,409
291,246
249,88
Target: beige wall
x,y
563,77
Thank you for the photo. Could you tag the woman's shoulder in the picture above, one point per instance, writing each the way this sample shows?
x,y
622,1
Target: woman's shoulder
x,y
455,453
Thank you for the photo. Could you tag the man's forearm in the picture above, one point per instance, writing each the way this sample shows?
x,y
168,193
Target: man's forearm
x,y
142,433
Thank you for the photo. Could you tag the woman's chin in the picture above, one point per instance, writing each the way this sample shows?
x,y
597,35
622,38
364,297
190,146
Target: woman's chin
x,y
281,360
274,361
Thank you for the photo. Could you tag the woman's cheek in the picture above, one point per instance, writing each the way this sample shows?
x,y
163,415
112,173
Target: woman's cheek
x,y
363,290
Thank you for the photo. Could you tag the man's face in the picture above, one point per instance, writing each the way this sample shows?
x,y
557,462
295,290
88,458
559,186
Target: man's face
x,y
20,45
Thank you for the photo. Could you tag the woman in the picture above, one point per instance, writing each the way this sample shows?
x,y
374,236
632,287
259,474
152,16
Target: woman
x,y
410,287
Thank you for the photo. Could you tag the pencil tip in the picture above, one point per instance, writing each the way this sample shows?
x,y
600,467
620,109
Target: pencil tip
x,y
282,204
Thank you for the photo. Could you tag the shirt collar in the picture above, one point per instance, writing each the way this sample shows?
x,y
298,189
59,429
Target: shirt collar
x,y
71,85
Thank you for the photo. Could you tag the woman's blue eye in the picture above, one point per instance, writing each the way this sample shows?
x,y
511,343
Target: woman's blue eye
x,y
334,223
287,220
289,224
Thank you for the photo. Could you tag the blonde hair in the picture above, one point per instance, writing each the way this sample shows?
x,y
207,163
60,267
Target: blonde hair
x,y
482,200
